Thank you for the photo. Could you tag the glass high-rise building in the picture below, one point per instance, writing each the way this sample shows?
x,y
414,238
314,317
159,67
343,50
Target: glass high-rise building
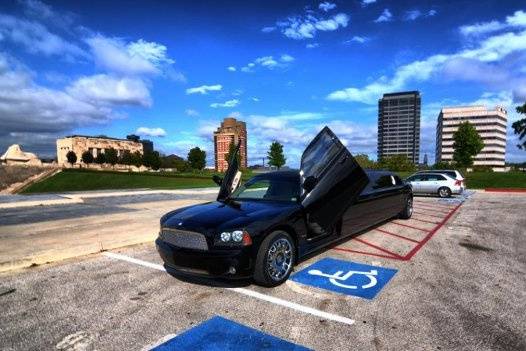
x,y
399,125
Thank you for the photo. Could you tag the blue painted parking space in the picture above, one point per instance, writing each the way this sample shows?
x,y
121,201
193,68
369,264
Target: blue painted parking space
x,y
345,277
219,333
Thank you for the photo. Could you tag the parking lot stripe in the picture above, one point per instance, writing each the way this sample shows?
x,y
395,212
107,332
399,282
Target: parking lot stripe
x,y
438,210
433,204
430,215
247,292
397,235
410,226
423,220
363,253
431,233
378,247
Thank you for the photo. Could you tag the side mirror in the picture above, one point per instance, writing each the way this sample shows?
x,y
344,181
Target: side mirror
x,y
217,179
309,183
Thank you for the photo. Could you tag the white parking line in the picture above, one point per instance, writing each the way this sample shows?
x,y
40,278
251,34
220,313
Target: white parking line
x,y
247,292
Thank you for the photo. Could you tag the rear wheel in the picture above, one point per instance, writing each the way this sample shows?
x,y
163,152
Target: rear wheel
x,y
407,212
444,192
275,259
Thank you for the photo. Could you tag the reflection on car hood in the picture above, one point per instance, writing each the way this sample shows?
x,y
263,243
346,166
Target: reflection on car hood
x,y
220,216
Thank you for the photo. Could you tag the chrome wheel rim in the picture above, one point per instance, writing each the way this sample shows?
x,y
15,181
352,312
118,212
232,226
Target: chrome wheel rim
x,y
279,259
409,206
443,192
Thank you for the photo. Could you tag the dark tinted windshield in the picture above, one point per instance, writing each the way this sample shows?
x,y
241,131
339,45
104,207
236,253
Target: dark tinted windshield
x,y
269,188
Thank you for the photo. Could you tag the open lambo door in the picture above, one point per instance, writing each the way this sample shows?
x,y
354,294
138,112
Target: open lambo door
x,y
232,176
331,181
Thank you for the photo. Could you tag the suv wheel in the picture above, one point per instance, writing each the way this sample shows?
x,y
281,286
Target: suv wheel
x,y
444,192
275,259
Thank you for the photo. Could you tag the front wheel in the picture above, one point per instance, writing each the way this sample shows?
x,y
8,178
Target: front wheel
x,y
275,259
407,212
444,192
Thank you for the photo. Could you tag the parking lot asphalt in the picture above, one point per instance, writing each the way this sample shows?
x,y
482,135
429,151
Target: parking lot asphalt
x,y
455,281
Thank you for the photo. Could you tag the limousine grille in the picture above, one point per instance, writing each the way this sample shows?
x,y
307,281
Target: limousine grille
x,y
184,239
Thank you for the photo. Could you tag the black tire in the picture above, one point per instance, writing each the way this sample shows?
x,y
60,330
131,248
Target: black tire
x,y
407,212
444,192
263,270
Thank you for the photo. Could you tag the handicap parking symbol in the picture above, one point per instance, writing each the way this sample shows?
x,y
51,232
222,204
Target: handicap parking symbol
x,y
345,277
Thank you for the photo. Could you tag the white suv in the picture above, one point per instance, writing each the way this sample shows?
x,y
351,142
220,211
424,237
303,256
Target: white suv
x,y
435,183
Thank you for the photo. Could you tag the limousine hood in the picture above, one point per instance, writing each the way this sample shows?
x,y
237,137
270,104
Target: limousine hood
x,y
218,216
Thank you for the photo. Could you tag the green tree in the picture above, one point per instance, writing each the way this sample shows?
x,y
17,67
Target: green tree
x,y
365,162
100,159
152,160
136,159
467,143
87,157
126,158
397,163
519,127
111,156
442,165
231,151
72,157
197,158
275,155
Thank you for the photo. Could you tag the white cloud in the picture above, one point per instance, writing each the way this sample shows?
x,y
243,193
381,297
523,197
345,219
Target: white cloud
x,y
412,15
229,103
326,6
37,39
385,16
312,45
152,132
490,50
303,27
37,115
287,58
204,89
255,99
104,89
268,62
367,2
191,112
357,39
135,58
231,69
268,29
517,20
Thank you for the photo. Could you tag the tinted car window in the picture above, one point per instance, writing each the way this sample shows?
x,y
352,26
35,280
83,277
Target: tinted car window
x,y
322,153
434,177
415,178
271,189
384,181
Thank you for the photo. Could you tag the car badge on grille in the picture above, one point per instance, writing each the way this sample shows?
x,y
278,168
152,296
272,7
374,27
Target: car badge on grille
x,y
180,223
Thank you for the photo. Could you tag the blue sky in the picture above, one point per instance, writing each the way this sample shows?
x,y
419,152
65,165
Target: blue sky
x,y
171,71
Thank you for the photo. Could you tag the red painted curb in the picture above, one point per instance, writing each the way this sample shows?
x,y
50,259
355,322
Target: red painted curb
x,y
505,190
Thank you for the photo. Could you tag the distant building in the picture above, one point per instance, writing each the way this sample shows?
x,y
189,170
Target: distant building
x,y
399,125
491,126
96,145
230,131
15,156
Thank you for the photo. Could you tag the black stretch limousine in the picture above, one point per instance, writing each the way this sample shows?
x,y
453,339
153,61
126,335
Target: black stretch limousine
x,y
262,228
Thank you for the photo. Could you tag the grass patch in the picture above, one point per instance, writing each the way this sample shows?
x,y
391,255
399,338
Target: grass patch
x,y
83,180
482,180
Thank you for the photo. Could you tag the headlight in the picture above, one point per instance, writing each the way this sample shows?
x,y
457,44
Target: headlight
x,y
237,235
225,237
